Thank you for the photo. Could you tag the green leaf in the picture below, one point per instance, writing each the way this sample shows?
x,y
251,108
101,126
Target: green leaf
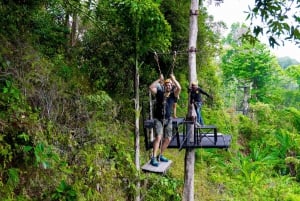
x,y
27,148
13,176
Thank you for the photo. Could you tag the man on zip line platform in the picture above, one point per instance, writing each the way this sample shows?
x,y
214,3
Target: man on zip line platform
x,y
165,95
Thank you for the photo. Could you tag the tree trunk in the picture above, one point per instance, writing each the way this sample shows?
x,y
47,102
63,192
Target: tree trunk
x,y
66,35
193,40
245,100
188,191
74,29
137,128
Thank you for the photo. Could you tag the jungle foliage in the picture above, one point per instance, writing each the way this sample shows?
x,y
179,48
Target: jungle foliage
x,y
67,109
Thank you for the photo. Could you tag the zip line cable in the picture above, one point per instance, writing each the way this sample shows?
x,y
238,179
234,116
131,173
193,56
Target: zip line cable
x,y
174,52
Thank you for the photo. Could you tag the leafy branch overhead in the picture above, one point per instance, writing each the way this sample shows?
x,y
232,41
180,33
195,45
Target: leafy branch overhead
x,y
280,21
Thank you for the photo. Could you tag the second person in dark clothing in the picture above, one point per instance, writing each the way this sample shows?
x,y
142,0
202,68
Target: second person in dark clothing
x,y
195,98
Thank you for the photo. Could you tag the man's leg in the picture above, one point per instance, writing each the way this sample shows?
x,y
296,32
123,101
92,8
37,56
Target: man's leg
x,y
197,108
201,121
156,143
167,139
166,142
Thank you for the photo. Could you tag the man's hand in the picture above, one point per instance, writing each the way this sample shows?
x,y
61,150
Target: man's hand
x,y
172,76
161,79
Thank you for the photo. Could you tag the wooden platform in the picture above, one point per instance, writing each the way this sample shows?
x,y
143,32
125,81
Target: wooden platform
x,y
161,169
203,137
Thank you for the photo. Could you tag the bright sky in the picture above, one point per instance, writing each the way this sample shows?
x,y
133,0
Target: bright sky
x,y
232,11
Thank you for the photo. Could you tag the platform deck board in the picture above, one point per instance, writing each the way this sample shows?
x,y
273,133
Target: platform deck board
x,y
161,169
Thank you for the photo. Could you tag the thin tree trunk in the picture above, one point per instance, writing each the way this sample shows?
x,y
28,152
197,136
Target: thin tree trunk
x,y
137,128
188,191
74,29
245,100
66,35
137,112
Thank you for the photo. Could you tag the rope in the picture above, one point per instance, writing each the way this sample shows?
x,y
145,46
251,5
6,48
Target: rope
x,y
156,59
174,61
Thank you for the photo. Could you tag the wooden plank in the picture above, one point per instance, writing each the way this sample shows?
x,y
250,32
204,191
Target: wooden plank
x,y
162,168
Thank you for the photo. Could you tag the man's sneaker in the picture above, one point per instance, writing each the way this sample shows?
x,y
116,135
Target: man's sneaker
x,y
154,162
162,158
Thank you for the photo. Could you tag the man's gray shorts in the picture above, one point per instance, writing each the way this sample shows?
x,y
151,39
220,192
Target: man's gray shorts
x,y
158,127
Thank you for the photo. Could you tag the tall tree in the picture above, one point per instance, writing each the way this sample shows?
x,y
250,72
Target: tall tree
x,y
249,64
189,163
